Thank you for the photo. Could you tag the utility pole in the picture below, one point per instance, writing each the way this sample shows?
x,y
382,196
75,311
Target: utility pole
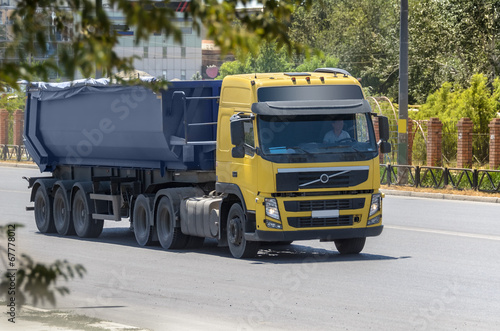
x,y
403,86
98,9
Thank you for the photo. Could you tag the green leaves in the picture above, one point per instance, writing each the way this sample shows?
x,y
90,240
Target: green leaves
x,y
451,41
270,58
89,35
35,282
362,34
450,103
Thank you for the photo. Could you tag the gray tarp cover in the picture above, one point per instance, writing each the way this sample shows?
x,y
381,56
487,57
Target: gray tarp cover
x,y
312,107
52,91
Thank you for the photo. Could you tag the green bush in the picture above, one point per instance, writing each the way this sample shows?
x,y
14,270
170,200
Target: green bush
x,y
450,103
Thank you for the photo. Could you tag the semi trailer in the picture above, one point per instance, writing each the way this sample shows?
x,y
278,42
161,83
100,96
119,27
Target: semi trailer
x,y
255,158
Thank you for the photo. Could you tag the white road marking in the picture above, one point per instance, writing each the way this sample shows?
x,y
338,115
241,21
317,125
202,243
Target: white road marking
x,y
445,232
15,191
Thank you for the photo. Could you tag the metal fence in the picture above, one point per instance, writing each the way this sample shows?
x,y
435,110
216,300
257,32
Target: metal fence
x,y
14,153
400,175
439,178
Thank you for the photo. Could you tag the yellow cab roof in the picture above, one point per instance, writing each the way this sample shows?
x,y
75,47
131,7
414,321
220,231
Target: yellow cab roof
x,y
293,78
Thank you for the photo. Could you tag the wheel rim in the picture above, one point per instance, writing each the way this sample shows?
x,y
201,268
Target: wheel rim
x,y
80,213
41,212
235,234
140,221
164,224
59,212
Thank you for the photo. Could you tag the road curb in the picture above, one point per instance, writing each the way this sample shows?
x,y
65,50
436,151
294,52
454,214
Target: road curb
x,y
43,323
441,196
18,165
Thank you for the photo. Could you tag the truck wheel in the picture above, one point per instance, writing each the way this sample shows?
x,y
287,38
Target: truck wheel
x,y
350,246
142,219
43,211
62,214
85,225
238,245
169,236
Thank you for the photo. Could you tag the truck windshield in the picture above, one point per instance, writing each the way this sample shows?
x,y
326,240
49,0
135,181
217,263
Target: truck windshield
x,y
321,138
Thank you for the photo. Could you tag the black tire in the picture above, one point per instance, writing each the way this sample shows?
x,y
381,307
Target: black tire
x,y
169,236
142,219
350,246
235,227
82,210
44,217
62,214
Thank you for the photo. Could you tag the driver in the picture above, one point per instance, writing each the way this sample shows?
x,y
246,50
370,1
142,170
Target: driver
x,y
337,134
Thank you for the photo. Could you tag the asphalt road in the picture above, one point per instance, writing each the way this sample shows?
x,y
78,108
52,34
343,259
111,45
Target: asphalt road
x,y
435,267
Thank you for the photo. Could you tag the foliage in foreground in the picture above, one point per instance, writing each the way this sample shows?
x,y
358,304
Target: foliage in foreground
x,y
32,281
92,35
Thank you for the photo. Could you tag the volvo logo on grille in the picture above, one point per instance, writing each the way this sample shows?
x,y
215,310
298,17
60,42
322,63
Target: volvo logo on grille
x,y
324,178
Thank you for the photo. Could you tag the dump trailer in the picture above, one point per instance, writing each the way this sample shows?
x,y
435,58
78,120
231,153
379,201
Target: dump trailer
x,y
272,157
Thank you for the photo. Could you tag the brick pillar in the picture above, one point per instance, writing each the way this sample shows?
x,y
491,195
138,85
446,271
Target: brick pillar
x,y
434,138
4,127
18,127
464,143
494,143
410,141
377,138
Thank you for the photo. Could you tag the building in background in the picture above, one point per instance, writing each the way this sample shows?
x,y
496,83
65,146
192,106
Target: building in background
x,y
211,59
159,56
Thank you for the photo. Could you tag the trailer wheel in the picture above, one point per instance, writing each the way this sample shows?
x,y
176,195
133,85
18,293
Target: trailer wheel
x,y
169,236
85,225
238,245
142,220
62,214
43,211
350,246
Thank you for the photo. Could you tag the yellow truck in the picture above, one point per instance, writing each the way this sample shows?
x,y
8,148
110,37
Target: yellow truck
x,y
276,157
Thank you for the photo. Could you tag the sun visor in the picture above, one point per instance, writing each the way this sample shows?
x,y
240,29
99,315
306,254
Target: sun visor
x,y
312,107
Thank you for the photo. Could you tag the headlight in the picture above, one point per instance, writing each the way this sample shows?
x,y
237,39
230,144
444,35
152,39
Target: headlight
x,y
272,208
376,204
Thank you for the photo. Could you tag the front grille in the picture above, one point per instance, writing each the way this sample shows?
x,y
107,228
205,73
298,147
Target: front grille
x,y
337,204
309,222
309,180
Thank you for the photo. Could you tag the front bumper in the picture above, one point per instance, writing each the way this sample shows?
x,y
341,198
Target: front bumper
x,y
327,235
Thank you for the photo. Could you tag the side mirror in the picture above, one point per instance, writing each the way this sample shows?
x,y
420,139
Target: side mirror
x,y
237,130
238,152
383,128
385,147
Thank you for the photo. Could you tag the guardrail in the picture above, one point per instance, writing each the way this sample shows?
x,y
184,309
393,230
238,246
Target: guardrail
x,y
437,177
14,153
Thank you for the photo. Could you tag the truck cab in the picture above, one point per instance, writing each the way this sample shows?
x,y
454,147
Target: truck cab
x,y
286,173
